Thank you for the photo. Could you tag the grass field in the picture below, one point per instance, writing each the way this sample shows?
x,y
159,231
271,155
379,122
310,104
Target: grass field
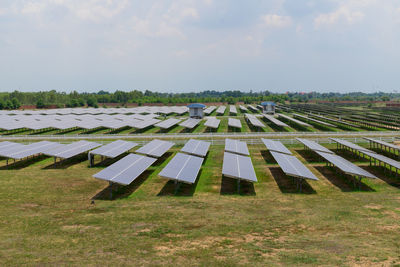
x,y
47,217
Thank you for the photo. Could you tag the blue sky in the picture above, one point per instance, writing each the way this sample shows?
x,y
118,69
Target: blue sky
x,y
184,45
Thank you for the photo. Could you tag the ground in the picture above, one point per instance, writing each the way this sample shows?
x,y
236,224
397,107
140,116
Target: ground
x,y
48,218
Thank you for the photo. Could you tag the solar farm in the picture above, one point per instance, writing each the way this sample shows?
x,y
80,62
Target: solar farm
x,y
308,185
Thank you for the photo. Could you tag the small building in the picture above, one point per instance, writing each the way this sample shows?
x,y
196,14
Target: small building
x,y
196,110
268,107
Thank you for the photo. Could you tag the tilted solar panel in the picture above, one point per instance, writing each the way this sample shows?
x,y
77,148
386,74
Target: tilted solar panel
x,y
238,167
183,168
167,123
72,149
313,145
351,145
276,146
212,123
236,146
345,165
196,147
292,166
114,149
234,123
31,149
126,170
155,148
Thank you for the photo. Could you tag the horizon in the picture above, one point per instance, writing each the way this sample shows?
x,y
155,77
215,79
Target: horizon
x,y
194,46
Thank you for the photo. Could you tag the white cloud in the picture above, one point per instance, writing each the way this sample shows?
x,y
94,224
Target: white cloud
x,y
33,8
342,14
276,21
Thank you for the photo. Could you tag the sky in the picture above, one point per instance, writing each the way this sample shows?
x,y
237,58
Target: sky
x,y
191,46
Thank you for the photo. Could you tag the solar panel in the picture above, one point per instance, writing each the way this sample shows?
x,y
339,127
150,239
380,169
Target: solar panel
x,y
196,147
389,161
190,123
6,144
275,121
114,149
345,165
276,146
183,168
126,170
221,110
234,123
314,145
254,121
302,123
10,146
232,109
168,123
243,108
380,142
236,146
212,123
292,166
71,150
314,120
252,108
155,148
238,167
350,145
30,150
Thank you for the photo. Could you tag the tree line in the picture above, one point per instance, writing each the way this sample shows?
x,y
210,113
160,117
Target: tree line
x,y
45,99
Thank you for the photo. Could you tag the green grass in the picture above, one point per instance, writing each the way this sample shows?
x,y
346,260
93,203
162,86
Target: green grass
x,y
47,217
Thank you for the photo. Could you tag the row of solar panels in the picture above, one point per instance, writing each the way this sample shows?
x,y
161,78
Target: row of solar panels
x,y
90,122
78,111
236,162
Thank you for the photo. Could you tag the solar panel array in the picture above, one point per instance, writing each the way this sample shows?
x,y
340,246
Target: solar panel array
x,y
167,123
341,163
155,148
314,145
182,168
196,147
383,143
384,159
302,123
243,108
238,167
212,122
350,145
232,109
80,111
275,121
314,120
126,170
345,165
235,123
63,122
20,151
236,146
114,149
252,108
276,146
221,110
292,166
254,121
71,150
190,123
209,110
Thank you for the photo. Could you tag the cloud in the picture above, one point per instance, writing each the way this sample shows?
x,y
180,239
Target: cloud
x,y
342,14
276,21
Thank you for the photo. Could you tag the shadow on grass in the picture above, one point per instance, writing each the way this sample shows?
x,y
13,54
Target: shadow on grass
x,y
161,159
287,184
179,189
22,163
309,156
229,186
120,191
268,157
385,175
345,183
64,164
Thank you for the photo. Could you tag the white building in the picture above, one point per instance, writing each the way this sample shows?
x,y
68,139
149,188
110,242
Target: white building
x,y
268,107
196,110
